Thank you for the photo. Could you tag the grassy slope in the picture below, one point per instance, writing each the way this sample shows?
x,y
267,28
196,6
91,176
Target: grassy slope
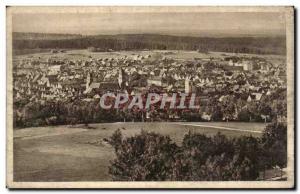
x,y
74,154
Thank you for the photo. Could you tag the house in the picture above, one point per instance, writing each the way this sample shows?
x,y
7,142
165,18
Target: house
x,y
154,80
247,65
55,69
264,66
254,97
109,86
91,87
249,99
233,68
257,96
206,116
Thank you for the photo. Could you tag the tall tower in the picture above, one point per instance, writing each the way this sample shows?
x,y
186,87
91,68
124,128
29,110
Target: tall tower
x,y
88,81
187,88
121,77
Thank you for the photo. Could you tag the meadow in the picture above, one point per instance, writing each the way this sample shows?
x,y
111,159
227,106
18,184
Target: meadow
x,y
75,153
84,54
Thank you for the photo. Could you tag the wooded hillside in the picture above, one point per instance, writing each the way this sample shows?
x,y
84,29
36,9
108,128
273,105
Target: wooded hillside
x,y
256,45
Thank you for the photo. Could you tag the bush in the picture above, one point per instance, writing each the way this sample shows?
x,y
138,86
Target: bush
x,y
274,143
221,168
116,140
144,157
38,122
153,157
215,159
244,115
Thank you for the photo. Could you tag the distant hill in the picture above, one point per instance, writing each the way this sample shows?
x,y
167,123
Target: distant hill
x,y
257,45
42,36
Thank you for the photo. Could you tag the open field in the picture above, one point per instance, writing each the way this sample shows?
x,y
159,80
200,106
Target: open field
x,y
64,153
84,54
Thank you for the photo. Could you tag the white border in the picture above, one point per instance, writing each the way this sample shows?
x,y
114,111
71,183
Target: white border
x,y
90,2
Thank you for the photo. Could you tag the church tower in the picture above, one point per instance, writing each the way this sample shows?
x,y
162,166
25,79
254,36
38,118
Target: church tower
x,y
88,81
187,87
121,77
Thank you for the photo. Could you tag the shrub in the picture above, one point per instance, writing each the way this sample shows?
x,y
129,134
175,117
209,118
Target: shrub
x,y
244,115
153,157
274,143
214,159
144,157
116,140
38,122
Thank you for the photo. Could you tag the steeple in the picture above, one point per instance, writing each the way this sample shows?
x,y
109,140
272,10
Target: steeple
x,y
187,87
88,81
121,77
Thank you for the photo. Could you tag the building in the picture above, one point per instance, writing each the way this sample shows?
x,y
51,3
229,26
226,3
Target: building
x,y
247,65
187,87
154,80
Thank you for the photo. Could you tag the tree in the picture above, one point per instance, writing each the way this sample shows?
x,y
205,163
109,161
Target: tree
x,y
264,109
215,109
253,110
244,115
144,157
116,139
228,107
279,108
249,151
274,143
153,157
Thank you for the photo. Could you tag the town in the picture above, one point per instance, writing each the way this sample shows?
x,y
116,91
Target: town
x,y
158,97
58,88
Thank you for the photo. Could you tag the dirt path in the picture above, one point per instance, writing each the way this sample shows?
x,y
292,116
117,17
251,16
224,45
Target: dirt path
x,y
218,127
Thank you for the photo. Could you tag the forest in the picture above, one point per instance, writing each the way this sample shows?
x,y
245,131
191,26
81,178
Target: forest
x,y
255,45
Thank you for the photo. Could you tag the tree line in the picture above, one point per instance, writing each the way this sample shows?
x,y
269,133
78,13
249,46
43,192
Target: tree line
x,y
256,45
76,111
60,113
150,156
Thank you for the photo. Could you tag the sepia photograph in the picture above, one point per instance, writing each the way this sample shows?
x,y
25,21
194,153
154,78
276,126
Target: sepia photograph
x,y
150,97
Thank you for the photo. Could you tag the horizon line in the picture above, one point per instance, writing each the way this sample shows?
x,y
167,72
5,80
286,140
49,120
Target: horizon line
x,y
220,35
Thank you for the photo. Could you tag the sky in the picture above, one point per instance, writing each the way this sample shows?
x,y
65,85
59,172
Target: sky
x,y
169,23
